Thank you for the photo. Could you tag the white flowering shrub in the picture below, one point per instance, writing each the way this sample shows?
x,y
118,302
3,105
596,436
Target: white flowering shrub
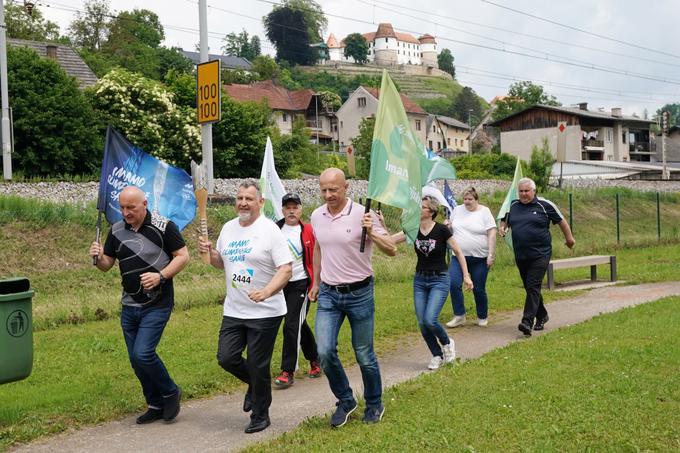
x,y
143,110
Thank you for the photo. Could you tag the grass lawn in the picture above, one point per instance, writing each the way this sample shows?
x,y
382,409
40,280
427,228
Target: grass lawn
x,y
610,384
81,374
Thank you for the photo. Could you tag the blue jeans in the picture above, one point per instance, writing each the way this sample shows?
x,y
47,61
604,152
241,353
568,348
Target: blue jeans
x,y
359,308
429,296
478,273
142,329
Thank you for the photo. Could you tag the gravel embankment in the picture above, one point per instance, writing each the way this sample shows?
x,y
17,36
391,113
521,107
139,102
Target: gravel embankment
x,y
307,188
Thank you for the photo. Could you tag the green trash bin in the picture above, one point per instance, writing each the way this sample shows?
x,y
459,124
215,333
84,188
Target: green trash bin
x,y
16,329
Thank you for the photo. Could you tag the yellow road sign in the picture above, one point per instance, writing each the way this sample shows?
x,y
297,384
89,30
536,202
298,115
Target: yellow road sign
x,y
208,92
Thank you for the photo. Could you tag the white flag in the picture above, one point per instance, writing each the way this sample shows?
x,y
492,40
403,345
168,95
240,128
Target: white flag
x,y
271,186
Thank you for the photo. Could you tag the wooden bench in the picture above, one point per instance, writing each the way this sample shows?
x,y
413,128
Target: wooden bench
x,y
582,261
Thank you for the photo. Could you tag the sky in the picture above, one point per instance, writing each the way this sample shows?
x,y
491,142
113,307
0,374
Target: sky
x,y
608,53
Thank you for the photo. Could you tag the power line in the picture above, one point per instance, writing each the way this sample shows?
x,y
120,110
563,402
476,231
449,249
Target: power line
x,y
645,102
546,57
570,27
542,38
471,70
221,35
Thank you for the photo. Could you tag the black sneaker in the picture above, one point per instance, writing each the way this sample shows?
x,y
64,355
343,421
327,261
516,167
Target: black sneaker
x,y
171,405
540,324
150,416
374,414
342,413
525,328
257,424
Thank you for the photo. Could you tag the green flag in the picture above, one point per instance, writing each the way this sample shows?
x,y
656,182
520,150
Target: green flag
x,y
435,167
396,155
513,194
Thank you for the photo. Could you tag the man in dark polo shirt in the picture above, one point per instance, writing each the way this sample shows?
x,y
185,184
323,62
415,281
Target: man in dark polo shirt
x,y
529,219
150,252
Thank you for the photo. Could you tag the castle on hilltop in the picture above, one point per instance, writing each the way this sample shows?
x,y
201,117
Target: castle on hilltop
x,y
388,48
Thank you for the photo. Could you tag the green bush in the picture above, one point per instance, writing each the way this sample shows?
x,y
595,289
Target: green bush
x,y
55,128
145,112
540,165
485,166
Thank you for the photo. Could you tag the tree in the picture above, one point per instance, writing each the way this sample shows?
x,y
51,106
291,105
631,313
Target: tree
x,y
34,27
520,96
239,139
315,19
467,100
133,42
540,165
144,111
172,59
265,67
90,28
445,62
356,47
362,147
139,25
240,45
674,110
55,129
287,30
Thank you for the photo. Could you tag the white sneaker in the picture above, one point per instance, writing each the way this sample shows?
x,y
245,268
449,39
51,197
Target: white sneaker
x,y
483,322
435,363
449,351
457,321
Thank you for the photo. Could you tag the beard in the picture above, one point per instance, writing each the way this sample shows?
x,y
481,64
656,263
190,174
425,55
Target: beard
x,y
244,216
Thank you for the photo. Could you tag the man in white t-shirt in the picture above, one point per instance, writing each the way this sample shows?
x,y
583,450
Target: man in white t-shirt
x,y
257,263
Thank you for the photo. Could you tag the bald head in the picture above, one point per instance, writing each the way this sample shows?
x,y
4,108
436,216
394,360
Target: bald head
x,y
133,204
132,192
333,174
333,187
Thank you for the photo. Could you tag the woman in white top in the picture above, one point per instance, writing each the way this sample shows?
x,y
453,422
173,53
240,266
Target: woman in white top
x,y
474,229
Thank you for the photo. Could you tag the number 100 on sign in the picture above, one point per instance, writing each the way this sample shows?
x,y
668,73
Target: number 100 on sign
x,y
208,92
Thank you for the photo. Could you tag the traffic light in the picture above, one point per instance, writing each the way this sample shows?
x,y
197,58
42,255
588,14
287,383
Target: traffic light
x,y
665,119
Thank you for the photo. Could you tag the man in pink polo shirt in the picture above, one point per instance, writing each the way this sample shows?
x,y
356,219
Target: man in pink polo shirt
x,y
343,285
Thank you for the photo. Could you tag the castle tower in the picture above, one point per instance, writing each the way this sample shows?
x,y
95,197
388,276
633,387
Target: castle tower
x,y
385,45
428,49
335,51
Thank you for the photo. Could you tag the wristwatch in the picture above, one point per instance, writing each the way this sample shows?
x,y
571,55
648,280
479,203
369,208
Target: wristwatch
x,y
162,279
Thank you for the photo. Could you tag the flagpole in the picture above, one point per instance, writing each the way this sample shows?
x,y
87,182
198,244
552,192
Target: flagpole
x,y
363,230
97,236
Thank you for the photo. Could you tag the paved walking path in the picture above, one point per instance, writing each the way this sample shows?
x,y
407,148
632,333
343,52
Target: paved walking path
x,y
216,424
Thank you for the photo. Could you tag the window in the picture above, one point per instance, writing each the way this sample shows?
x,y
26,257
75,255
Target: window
x,y
623,137
430,143
434,128
439,146
448,141
417,125
361,102
284,117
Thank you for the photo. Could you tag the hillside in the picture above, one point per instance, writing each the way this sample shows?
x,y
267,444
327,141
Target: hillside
x,y
427,90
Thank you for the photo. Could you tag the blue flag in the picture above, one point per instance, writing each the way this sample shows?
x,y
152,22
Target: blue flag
x,y
448,194
169,190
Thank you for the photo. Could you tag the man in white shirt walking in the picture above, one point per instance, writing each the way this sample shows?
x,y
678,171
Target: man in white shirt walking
x,y
257,263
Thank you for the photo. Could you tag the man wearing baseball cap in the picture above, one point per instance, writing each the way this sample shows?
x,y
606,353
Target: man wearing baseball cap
x,y
296,333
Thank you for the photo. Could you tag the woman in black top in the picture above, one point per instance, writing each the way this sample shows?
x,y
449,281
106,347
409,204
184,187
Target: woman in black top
x,y
431,281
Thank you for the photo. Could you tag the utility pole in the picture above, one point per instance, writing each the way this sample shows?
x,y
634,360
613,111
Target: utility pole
x,y
206,128
5,126
665,175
